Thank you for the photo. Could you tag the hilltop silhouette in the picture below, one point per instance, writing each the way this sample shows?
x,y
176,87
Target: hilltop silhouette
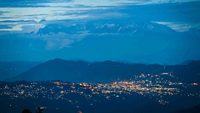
x,y
106,71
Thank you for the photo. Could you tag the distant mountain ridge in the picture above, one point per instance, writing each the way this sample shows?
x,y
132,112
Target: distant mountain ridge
x,y
12,69
106,71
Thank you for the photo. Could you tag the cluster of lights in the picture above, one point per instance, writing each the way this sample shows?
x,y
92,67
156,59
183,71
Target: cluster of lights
x,y
158,86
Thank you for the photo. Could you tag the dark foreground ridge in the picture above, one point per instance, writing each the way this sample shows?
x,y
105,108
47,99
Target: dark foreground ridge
x,y
38,110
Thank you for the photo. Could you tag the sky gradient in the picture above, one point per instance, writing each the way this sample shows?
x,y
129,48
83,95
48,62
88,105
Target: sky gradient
x,y
139,31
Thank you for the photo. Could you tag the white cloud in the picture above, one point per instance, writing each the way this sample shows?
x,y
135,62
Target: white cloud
x,y
13,29
32,28
104,3
57,43
65,10
34,15
178,27
39,13
24,27
62,40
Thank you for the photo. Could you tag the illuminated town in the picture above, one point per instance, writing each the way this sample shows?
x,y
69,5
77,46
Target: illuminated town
x,y
159,86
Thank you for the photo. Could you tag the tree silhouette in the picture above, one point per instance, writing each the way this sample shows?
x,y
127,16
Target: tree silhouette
x,y
26,111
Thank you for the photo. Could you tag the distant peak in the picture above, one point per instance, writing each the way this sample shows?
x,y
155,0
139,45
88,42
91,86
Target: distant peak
x,y
69,61
58,60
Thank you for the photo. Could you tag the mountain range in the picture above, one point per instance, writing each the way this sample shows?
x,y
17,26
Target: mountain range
x,y
105,71
14,68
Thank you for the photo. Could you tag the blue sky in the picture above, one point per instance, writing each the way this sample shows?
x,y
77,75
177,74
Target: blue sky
x,y
141,31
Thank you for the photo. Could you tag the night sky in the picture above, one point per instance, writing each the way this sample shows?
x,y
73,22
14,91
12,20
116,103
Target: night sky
x,y
138,31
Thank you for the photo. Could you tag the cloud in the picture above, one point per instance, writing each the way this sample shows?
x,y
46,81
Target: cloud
x,y
61,40
59,10
38,14
105,3
93,3
57,43
12,29
27,17
21,27
178,27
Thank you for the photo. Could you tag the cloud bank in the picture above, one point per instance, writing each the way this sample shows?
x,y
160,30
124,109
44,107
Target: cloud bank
x,y
35,12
